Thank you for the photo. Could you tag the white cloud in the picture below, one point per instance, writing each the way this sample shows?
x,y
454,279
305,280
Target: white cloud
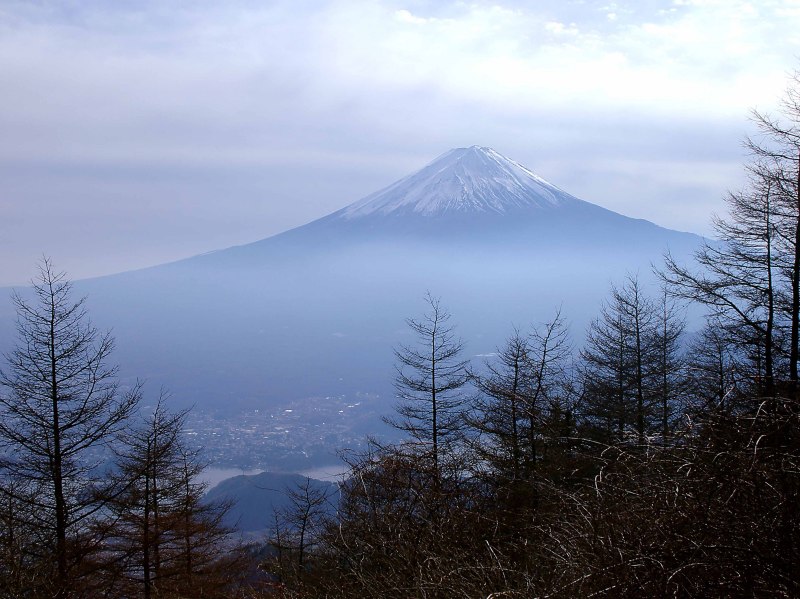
x,y
132,99
406,17
559,28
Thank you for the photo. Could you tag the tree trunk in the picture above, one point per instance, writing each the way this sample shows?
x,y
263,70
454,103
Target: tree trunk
x,y
795,310
769,381
146,529
639,381
56,465
434,412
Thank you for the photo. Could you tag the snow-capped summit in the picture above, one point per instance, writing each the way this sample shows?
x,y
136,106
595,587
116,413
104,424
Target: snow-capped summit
x,y
463,180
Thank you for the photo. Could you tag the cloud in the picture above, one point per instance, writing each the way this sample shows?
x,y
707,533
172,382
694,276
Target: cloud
x,y
558,28
406,17
212,84
212,116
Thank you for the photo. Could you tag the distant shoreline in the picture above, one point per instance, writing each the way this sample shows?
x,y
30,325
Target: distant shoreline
x,y
213,476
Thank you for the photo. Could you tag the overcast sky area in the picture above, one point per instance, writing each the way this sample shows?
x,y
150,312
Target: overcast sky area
x,y
135,133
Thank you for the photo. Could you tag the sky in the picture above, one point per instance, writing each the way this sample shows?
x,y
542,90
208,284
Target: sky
x,y
137,133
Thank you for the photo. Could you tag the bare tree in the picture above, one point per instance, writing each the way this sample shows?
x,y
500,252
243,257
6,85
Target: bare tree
x,y
163,537
548,409
499,410
60,404
736,276
751,277
298,527
523,392
671,381
776,150
430,376
147,462
21,569
621,361
716,376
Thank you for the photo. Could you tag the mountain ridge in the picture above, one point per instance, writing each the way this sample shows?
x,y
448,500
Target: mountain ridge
x,y
489,200
532,207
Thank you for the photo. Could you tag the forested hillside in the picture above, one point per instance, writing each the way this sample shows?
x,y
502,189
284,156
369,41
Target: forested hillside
x,y
645,463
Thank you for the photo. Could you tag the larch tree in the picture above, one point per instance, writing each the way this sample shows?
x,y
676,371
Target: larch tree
x,y
736,277
619,363
548,410
163,538
776,152
60,405
429,382
298,527
750,277
714,369
670,381
499,409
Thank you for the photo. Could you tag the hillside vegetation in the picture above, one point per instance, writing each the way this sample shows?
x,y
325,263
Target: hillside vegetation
x,y
646,463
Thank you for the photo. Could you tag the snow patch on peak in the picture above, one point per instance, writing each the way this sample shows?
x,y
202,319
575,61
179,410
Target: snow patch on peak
x,y
474,179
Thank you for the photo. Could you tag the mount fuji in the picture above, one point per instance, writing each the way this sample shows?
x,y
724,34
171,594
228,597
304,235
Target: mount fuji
x,y
464,180
315,311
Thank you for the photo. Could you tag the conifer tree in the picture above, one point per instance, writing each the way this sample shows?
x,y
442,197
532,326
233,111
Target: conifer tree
x,y
620,363
60,405
164,539
430,377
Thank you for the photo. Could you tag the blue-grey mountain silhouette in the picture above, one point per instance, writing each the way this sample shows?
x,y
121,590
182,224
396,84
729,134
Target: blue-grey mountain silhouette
x,y
315,311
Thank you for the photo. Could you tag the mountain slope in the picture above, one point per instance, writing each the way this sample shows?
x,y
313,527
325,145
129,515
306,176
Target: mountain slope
x,y
463,180
256,497
315,311
471,197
